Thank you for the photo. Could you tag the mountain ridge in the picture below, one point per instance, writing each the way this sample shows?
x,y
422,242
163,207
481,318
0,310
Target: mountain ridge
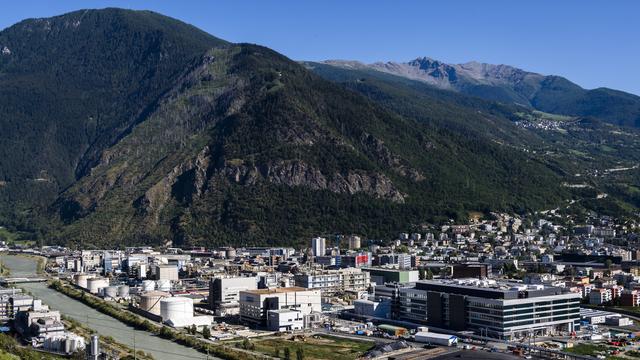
x,y
508,84
192,140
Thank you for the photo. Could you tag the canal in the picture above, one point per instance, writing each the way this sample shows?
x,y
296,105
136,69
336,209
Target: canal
x,y
102,324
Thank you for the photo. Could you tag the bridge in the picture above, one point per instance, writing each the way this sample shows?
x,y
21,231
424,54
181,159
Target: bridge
x,y
20,280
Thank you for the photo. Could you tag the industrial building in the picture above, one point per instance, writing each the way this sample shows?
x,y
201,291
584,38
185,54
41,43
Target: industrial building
x,y
178,312
319,246
354,242
224,294
255,304
166,272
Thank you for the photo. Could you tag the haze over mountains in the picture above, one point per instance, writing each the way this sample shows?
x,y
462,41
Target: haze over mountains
x,y
553,94
123,127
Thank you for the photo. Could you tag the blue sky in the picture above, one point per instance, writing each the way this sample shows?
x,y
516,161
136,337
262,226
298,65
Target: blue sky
x,y
593,43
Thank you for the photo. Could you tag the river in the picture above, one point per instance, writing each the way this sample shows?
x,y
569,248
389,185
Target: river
x,y
104,325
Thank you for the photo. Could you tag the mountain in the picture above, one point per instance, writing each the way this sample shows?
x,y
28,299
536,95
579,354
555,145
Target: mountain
x,y
591,156
507,84
73,85
127,127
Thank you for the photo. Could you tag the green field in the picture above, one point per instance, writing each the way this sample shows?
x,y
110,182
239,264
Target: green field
x,y
316,347
592,350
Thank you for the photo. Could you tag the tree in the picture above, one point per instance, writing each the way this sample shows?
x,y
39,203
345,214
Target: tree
x,y
299,354
422,274
287,354
194,329
206,333
428,275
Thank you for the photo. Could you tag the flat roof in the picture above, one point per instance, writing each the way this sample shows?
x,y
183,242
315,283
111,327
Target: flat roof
x,y
277,290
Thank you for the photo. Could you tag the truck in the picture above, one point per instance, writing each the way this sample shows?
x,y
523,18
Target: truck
x,y
435,338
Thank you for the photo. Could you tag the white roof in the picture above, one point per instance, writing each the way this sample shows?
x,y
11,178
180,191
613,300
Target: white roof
x,y
435,335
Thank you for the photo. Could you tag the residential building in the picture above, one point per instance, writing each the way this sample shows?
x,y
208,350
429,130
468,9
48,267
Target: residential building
x,y
600,296
334,281
630,298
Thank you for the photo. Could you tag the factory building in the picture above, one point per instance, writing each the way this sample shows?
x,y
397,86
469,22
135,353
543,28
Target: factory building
x,y
166,272
224,294
285,320
255,304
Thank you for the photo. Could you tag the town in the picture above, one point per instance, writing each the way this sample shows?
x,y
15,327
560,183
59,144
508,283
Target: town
x,y
517,286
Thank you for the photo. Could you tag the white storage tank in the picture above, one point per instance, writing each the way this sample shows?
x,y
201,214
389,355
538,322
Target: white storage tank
x,y
81,280
148,285
94,285
230,253
151,301
164,285
176,309
111,292
123,291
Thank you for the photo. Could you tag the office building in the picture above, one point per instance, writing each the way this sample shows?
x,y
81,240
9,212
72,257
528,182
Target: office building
x,y
497,309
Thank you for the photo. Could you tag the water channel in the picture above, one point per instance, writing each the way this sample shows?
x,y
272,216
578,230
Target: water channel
x,y
104,325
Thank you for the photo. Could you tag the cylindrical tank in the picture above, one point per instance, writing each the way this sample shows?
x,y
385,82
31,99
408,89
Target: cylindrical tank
x,y
148,285
95,346
123,291
230,253
176,308
81,280
151,301
94,285
164,285
110,292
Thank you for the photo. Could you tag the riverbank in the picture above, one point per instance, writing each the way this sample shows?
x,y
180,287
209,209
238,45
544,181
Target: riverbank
x,y
96,322
10,349
140,323
108,344
4,270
